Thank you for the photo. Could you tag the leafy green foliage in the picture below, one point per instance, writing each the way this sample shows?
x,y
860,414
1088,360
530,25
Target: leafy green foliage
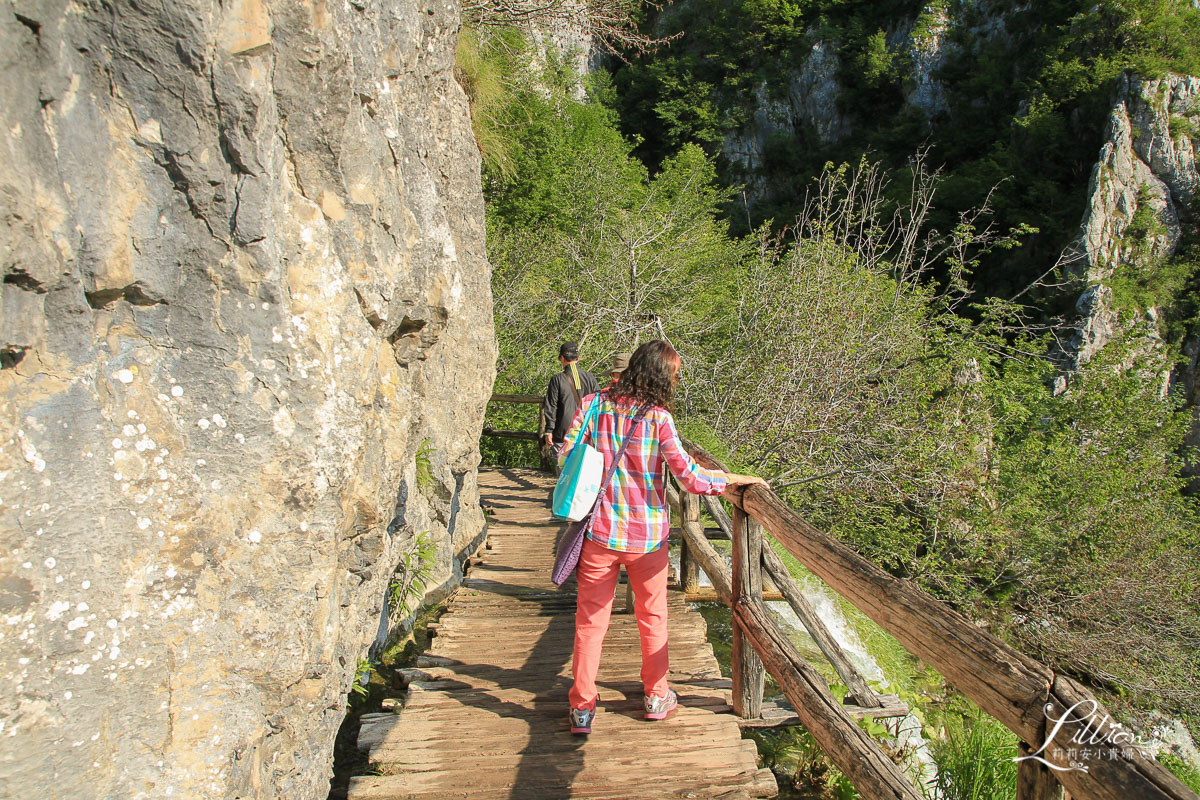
x,y
500,452
584,241
975,760
1184,771
1087,527
481,65
362,675
414,572
425,466
838,357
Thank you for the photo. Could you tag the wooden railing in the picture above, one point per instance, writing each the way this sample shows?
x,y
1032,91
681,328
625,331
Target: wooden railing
x,y
544,455
1020,692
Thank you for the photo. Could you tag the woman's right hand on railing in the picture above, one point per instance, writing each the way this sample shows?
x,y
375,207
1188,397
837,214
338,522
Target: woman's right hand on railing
x,y
736,484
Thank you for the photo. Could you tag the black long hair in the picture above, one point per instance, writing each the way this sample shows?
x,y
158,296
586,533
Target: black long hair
x,y
649,378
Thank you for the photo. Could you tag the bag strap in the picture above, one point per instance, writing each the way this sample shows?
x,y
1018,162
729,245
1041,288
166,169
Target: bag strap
x,y
575,382
612,470
588,418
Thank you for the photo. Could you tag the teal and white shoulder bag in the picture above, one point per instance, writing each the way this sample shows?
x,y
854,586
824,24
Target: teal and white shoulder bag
x,y
582,473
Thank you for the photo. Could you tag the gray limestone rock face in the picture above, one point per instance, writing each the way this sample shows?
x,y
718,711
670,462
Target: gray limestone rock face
x,y
1146,164
1146,173
745,148
571,45
811,103
244,282
927,46
814,93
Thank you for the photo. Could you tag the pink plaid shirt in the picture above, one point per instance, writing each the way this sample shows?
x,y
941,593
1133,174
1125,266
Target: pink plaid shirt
x,y
633,515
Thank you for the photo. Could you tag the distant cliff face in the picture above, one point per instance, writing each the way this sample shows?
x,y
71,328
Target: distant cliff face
x,y
1142,186
243,281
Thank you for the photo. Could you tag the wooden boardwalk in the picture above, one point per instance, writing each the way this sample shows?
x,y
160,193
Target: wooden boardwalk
x,y
486,716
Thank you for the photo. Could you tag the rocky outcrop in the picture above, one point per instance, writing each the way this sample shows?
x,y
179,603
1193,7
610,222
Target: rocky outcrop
x,y
744,148
814,91
810,104
926,44
563,36
243,282
1147,166
1141,187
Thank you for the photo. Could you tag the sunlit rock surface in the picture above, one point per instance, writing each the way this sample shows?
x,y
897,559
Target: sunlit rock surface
x,y
1144,179
243,281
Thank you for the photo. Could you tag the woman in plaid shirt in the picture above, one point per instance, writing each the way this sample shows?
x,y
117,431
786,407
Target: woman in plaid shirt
x,y
632,522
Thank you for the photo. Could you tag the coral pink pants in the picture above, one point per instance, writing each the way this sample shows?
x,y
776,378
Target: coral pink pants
x,y
597,577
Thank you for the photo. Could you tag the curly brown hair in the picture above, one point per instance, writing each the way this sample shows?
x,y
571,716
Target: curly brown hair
x,y
649,378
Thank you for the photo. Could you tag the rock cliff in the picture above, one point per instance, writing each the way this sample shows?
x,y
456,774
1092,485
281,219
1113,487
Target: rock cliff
x,y
811,103
1141,189
813,100
244,283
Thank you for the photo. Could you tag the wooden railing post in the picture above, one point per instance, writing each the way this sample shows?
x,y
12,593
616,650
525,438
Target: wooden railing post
x,y
1035,781
546,453
747,667
775,569
689,569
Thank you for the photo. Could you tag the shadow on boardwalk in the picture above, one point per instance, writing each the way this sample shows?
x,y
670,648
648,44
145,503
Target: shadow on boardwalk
x,y
486,715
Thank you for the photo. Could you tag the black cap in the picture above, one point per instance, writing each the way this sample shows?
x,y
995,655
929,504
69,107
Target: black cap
x,y
569,351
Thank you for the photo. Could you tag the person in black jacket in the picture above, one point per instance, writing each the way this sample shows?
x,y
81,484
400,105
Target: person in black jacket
x,y
563,394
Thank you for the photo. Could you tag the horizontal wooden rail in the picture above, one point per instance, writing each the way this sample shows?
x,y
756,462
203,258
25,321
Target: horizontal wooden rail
x,y
527,435
709,533
546,454
707,594
1015,689
516,398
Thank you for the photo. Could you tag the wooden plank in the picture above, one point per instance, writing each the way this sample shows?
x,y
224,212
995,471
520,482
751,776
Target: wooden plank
x,y
488,756
781,714
855,753
515,733
707,594
1003,682
699,772
748,673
